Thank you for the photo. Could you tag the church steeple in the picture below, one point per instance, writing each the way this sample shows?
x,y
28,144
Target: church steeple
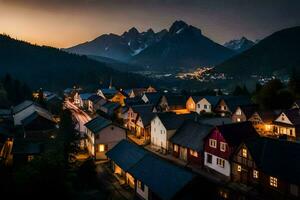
x,y
110,83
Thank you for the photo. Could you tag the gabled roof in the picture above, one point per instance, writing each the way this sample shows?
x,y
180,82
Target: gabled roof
x,y
236,133
153,97
126,154
142,108
215,121
22,106
109,91
196,99
171,121
163,178
97,124
35,115
175,100
293,115
191,135
146,117
111,105
276,158
133,101
95,98
234,101
267,116
136,91
85,96
213,100
248,110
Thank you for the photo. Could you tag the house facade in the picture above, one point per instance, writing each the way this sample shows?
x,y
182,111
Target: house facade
x,y
263,122
222,142
102,136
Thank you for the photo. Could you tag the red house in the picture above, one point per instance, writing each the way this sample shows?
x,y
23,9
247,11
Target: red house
x,y
222,142
188,141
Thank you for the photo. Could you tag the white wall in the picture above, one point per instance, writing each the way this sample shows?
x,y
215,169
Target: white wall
x,y
201,103
283,119
225,171
158,133
144,194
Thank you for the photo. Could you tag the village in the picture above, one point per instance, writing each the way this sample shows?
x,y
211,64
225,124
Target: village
x,y
159,145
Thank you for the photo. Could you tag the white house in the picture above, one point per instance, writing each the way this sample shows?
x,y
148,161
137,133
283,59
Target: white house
x,y
207,104
163,127
102,135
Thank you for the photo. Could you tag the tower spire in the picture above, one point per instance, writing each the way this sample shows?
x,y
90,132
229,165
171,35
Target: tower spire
x,y
110,83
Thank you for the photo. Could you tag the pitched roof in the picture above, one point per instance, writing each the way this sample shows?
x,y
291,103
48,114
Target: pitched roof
x,y
142,108
277,158
22,106
95,98
196,99
85,96
109,91
215,121
236,133
248,110
126,154
267,116
111,105
234,101
293,115
153,97
163,178
171,121
213,100
97,124
191,135
35,115
146,117
175,100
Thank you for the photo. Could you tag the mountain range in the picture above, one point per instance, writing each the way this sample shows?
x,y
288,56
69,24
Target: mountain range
x,y
277,54
182,45
239,45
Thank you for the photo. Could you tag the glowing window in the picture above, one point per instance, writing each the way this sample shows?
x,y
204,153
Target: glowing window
x,y
255,174
273,181
194,153
101,147
239,168
244,153
175,147
213,143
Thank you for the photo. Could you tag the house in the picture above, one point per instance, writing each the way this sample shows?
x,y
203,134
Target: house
x,y
34,121
110,108
107,93
269,163
263,122
133,101
222,142
95,102
135,92
243,113
143,125
191,103
84,100
228,104
159,179
173,102
119,97
163,127
207,104
287,124
188,142
152,98
133,113
124,156
102,135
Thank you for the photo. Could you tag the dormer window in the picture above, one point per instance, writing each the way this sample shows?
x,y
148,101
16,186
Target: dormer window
x,y
244,153
213,143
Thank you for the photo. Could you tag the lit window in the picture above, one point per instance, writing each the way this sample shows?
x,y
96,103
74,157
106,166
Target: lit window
x,y
213,143
221,162
255,174
244,153
140,185
101,147
238,119
175,147
239,168
194,153
273,181
223,146
30,158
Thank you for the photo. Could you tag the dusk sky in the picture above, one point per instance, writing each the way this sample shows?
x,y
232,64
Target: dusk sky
x,y
64,23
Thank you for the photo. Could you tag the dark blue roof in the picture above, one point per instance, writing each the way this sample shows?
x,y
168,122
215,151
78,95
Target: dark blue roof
x,y
97,124
162,177
126,154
